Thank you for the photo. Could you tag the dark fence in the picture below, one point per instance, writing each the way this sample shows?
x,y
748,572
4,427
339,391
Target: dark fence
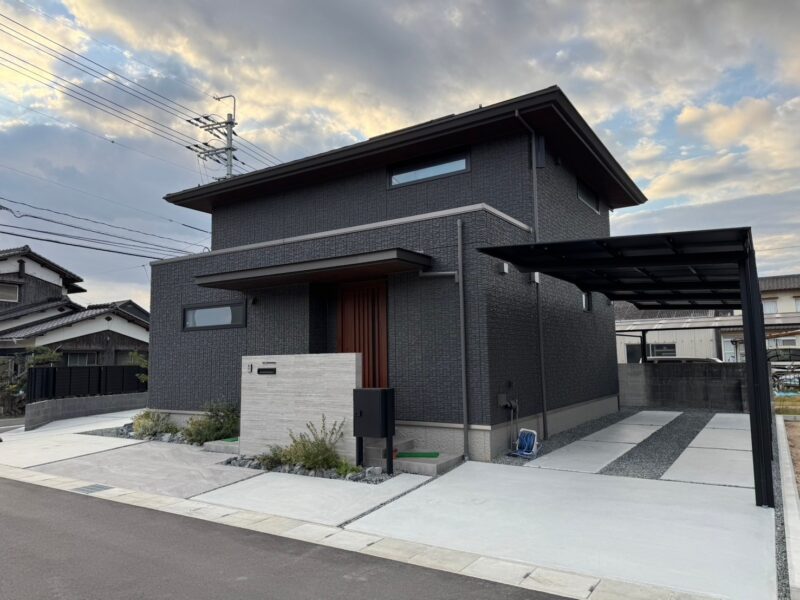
x,y
45,383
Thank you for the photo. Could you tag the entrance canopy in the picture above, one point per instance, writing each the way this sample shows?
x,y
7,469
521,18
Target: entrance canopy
x,y
326,270
711,269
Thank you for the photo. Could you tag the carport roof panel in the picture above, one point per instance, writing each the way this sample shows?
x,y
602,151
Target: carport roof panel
x,y
339,268
681,270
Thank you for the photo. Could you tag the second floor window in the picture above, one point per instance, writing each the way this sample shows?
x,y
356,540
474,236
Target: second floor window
x,y
214,316
432,169
9,292
588,197
770,306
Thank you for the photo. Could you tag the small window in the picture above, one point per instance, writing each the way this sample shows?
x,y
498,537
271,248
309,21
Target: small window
x,y
429,170
587,301
770,306
660,349
9,292
215,316
588,197
81,359
787,342
125,357
796,304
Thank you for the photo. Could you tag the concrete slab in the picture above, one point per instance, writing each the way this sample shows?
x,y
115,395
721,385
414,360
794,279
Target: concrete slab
x,y
501,571
651,417
713,466
171,469
729,421
698,538
725,439
323,501
581,456
28,451
619,432
559,582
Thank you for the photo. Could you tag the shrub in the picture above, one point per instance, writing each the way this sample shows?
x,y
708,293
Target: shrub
x,y
220,422
344,468
315,449
272,459
149,423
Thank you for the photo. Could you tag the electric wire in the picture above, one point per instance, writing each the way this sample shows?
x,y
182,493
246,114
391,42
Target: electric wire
x,y
30,237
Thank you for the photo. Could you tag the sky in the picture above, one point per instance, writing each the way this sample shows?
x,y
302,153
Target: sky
x,y
699,102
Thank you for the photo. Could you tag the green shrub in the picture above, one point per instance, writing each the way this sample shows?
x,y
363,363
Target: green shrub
x,y
315,449
272,459
220,421
149,423
344,468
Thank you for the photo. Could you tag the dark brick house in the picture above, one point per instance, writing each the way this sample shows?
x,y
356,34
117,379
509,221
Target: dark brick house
x,y
307,252
36,310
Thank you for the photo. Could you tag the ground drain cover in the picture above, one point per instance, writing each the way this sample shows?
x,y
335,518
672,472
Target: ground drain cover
x,y
92,489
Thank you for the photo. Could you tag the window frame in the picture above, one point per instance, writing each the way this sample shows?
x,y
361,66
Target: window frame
x,y
16,288
797,304
186,307
432,161
651,349
764,308
581,184
586,301
87,354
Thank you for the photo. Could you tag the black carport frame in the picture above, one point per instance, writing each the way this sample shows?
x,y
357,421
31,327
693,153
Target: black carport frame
x,y
709,269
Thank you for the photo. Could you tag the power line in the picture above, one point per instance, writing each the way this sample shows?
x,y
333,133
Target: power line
x,y
104,198
99,136
30,237
95,221
140,243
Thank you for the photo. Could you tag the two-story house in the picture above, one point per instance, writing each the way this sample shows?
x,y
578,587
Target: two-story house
x,y
360,250
36,310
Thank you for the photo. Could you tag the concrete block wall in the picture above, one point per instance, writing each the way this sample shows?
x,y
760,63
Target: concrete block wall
x,y
47,411
710,386
303,389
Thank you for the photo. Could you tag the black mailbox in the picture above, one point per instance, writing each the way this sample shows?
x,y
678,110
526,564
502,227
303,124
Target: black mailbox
x,y
373,412
373,416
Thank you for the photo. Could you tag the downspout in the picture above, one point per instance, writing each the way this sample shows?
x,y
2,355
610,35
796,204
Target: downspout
x,y
462,316
536,277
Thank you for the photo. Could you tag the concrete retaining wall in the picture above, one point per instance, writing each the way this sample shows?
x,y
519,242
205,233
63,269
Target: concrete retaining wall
x,y
710,386
302,388
46,411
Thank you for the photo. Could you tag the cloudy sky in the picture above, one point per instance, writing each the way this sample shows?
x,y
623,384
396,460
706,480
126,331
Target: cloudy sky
x,y
699,101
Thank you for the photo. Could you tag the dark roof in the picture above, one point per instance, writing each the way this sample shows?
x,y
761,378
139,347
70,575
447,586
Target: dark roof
x,y
70,278
127,305
21,311
36,329
776,283
549,112
681,270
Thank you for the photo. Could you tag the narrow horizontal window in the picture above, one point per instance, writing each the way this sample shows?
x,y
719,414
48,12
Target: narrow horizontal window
x,y
9,292
588,197
81,359
214,316
430,170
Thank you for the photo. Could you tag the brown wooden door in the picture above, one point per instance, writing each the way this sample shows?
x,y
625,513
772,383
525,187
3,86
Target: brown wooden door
x,y
362,328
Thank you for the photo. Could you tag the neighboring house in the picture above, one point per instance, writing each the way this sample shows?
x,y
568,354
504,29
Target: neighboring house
x,y
354,250
36,311
708,333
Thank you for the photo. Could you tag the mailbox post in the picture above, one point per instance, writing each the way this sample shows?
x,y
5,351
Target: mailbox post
x,y
373,416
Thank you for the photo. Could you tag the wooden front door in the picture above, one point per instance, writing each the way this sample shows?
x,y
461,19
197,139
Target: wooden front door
x,y
362,328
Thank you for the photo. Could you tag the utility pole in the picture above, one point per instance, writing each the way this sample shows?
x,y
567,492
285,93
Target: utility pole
x,y
218,129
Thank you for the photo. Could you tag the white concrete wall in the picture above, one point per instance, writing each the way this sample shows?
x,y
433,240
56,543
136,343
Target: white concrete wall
x,y
697,343
304,387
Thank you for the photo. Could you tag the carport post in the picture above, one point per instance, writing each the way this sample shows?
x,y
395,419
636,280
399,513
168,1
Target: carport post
x,y
758,390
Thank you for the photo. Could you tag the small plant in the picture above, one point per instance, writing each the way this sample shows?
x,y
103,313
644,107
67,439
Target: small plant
x,y
140,361
220,421
344,468
272,459
315,449
149,423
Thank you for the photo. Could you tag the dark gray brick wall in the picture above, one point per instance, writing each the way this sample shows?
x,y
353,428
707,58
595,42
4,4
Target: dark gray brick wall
x,y
494,178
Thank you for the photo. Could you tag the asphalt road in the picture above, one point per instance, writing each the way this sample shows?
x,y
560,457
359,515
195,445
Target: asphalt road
x,y
64,546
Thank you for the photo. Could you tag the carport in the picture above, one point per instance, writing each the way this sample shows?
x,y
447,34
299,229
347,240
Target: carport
x,y
710,269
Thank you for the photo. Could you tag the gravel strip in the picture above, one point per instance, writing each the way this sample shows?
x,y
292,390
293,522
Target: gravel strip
x,y
564,438
651,458
781,561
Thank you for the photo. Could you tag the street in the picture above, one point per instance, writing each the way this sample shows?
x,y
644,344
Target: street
x,y
56,544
